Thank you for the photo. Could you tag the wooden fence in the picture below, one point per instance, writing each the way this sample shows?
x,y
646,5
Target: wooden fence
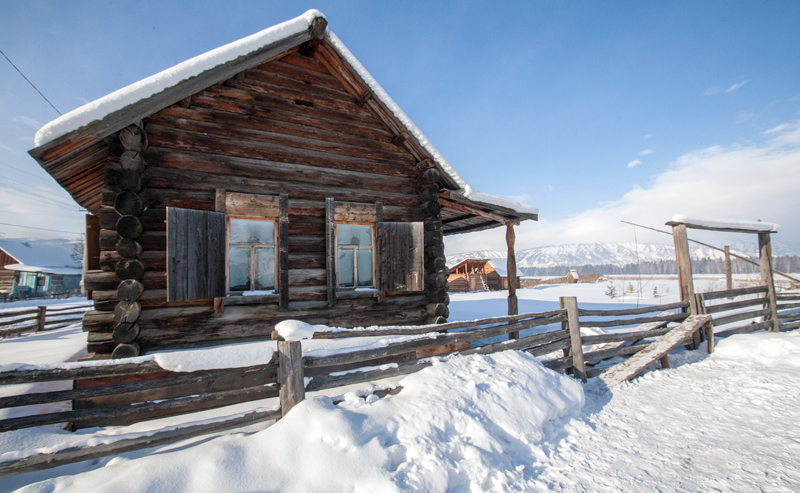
x,y
36,319
290,374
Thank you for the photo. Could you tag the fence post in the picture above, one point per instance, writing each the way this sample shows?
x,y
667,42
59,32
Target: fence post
x,y
40,318
765,263
570,303
290,374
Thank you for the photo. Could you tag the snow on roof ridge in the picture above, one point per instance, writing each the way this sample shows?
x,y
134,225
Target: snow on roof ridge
x,y
755,226
99,108
170,77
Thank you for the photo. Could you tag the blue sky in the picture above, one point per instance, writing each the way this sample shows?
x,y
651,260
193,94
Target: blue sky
x,y
591,111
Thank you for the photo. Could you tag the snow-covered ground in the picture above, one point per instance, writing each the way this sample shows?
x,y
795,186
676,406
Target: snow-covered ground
x,y
481,423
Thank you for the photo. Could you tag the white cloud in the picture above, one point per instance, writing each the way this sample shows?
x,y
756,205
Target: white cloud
x,y
634,163
5,147
548,188
646,152
647,136
28,121
737,86
759,181
712,90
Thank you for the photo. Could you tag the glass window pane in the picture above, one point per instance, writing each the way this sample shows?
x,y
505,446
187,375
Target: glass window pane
x,y
354,234
249,231
239,269
345,272
265,268
364,267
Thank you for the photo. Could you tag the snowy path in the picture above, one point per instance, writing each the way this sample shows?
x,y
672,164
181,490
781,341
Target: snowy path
x,y
716,425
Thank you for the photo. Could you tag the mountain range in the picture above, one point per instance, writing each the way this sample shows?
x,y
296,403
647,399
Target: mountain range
x,y
613,254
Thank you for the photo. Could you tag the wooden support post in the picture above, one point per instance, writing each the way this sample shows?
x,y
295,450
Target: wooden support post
x,y
728,270
570,303
511,266
290,374
765,261
40,318
685,281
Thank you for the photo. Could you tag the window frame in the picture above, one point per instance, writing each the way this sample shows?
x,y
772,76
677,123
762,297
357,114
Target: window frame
x,y
274,246
355,249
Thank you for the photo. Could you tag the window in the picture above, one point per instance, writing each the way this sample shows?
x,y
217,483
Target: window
x,y
251,255
355,255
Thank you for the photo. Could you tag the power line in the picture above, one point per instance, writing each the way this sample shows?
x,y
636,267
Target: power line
x,y
52,195
50,202
21,170
29,82
42,229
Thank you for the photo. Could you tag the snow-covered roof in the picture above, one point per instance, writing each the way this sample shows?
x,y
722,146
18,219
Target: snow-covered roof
x,y
500,265
117,103
34,255
574,274
724,224
66,271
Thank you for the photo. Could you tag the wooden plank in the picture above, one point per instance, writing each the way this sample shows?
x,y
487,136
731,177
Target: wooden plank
x,y
632,311
746,329
354,212
724,307
736,317
183,432
634,321
91,253
290,374
625,336
249,204
641,360
730,293
330,249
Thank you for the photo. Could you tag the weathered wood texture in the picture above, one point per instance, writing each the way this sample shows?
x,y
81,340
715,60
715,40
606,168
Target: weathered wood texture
x,y
196,264
765,264
636,364
288,126
401,262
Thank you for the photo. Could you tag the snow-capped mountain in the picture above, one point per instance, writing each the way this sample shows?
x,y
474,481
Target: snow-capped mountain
x,y
611,253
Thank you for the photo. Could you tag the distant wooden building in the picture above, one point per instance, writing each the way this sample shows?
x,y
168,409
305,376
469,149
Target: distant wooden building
x,y
572,277
268,179
479,275
30,270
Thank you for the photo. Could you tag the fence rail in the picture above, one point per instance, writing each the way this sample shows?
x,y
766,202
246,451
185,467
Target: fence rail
x,y
40,319
153,392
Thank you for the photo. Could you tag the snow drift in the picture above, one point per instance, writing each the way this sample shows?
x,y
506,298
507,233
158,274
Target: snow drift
x,y
467,423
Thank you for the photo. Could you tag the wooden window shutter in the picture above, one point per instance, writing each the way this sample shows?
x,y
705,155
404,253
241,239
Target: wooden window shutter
x,y
195,254
401,262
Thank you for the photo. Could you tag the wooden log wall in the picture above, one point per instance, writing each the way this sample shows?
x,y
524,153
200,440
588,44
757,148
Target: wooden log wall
x,y
287,126
436,272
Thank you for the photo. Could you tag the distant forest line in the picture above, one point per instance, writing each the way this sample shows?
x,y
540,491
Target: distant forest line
x,y
789,263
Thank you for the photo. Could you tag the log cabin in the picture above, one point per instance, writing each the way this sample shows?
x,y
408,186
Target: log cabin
x,y
269,179
479,275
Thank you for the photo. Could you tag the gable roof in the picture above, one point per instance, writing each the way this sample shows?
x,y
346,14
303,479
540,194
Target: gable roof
x,y
72,150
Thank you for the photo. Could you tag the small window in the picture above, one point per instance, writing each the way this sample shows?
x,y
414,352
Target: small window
x,y
251,255
355,256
